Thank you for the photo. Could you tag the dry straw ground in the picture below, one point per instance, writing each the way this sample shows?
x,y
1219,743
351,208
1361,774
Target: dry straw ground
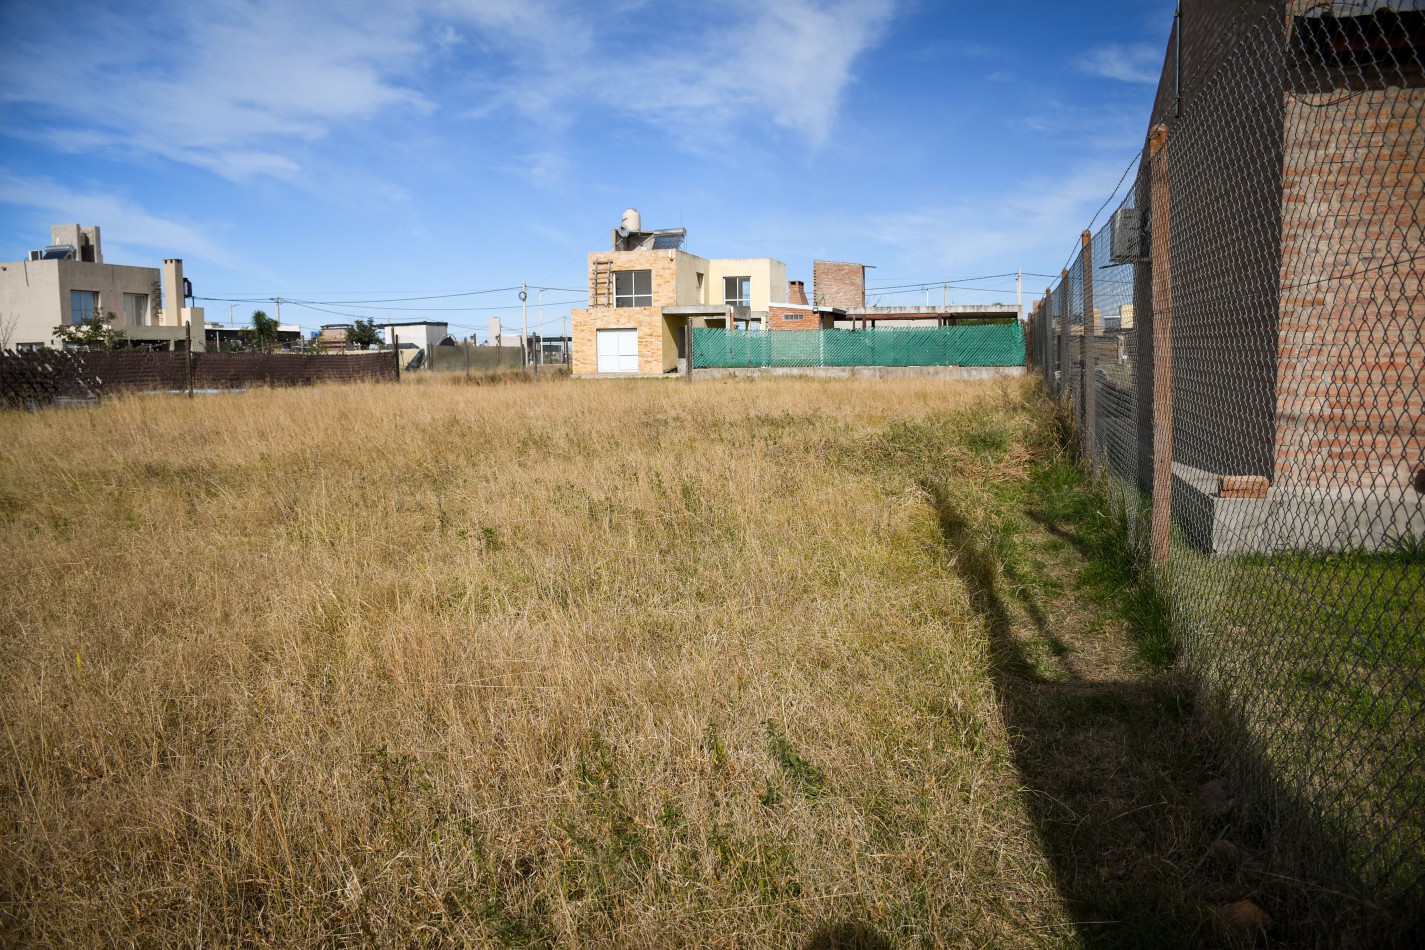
x,y
582,663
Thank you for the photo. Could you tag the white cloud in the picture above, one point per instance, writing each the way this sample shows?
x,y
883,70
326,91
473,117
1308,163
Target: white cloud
x,y
245,88
164,237
234,86
1126,62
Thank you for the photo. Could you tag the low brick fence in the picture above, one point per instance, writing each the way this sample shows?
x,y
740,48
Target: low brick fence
x,y
47,375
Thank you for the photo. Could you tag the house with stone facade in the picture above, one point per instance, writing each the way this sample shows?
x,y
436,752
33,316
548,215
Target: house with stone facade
x,y
646,291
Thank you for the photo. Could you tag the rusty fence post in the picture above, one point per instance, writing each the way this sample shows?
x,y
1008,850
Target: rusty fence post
x,y
188,356
1089,368
1050,342
1161,263
396,351
1065,382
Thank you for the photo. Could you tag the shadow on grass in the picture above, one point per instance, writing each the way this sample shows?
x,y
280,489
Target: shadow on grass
x,y
1110,765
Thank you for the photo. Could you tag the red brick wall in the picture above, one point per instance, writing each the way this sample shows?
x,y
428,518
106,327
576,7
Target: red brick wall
x,y
1351,329
782,317
838,284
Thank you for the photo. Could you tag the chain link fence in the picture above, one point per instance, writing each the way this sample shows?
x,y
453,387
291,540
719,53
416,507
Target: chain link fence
x,y
1242,345
996,344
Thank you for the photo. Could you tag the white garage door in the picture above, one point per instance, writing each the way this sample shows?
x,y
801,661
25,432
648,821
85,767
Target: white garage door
x,y
618,351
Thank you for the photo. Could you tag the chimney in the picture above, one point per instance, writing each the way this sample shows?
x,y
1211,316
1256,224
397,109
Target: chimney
x,y
796,292
172,292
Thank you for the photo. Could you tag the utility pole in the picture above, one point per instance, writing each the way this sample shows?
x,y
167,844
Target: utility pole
x,y
524,326
945,295
1019,292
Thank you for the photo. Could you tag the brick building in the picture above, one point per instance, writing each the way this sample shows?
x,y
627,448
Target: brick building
x,y
646,291
1297,334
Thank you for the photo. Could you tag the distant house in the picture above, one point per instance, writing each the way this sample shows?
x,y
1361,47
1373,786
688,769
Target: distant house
x,y
68,281
646,290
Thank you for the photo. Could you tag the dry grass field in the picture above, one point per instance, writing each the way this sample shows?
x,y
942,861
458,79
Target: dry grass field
x,y
578,664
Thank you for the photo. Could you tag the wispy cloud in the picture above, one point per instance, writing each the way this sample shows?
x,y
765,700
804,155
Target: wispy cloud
x,y
1126,62
232,86
163,237
248,88
1039,220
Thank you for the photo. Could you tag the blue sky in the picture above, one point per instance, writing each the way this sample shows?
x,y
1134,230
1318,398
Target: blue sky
x,y
363,151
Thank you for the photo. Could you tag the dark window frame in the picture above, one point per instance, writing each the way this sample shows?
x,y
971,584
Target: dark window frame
x,y
627,287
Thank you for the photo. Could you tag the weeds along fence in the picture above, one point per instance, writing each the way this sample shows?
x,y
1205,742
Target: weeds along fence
x,y
1242,347
45,376
999,344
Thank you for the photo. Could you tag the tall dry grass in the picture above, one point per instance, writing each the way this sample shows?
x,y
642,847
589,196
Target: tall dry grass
x,y
580,663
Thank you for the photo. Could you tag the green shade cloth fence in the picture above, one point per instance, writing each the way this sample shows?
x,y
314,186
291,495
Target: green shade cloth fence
x,y
995,344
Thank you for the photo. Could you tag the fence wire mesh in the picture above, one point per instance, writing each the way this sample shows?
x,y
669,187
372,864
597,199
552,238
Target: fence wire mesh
x,y
998,344
1242,345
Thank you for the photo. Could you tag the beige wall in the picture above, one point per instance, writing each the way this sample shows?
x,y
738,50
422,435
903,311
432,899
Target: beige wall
x,y
769,279
689,267
34,295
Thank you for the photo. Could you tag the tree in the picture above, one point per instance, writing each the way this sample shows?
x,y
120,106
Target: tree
x,y
92,333
8,323
263,334
364,334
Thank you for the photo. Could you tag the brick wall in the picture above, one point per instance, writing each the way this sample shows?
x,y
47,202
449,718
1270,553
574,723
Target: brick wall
x,y
838,284
1351,349
648,321
785,317
664,268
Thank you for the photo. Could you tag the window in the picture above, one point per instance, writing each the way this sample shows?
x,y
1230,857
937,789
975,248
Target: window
x,y
791,316
737,291
136,309
633,288
83,304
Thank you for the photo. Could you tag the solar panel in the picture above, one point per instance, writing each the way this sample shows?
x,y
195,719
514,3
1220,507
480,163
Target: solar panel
x,y
58,252
665,242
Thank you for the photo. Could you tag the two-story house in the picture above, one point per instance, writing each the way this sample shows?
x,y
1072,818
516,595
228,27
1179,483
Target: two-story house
x,y
646,291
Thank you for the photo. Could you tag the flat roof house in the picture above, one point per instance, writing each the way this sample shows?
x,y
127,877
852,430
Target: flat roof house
x,y
646,290
67,281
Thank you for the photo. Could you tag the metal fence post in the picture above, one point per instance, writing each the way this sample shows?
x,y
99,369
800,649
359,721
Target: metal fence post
x,y
188,356
1089,371
688,348
1049,340
396,352
1065,383
1161,262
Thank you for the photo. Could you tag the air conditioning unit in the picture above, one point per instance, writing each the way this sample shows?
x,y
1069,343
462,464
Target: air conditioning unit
x,y
1127,238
